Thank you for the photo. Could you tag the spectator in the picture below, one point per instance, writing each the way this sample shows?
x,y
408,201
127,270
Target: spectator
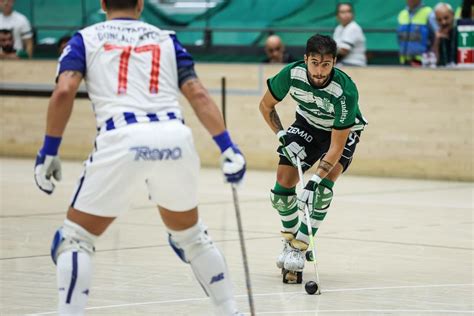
x,y
349,37
466,10
275,50
416,31
445,40
7,51
62,42
20,26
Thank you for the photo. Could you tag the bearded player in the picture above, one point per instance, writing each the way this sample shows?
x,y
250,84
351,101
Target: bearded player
x,y
327,129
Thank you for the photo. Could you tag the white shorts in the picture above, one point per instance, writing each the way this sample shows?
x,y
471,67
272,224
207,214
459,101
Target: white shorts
x,y
161,154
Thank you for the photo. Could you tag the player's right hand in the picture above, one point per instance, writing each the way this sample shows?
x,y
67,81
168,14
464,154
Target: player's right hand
x,y
233,164
45,167
291,150
308,196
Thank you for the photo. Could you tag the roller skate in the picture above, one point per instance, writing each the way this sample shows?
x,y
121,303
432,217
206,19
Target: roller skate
x,y
286,239
294,262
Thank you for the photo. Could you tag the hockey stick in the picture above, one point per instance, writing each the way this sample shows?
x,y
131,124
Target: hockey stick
x,y
244,252
310,228
237,215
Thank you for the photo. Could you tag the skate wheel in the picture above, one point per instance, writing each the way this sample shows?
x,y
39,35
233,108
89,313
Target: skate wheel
x,y
292,277
299,277
309,256
284,274
289,277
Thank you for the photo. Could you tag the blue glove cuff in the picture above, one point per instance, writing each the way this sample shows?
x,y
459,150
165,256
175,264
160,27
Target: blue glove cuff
x,y
50,145
223,140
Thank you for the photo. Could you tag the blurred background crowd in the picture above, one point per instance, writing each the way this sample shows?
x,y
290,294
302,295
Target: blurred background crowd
x,y
417,33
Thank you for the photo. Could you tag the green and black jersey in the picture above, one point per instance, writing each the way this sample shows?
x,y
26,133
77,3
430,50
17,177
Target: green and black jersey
x,y
335,106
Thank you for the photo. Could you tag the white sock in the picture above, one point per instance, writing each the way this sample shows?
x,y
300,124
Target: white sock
x,y
74,275
211,269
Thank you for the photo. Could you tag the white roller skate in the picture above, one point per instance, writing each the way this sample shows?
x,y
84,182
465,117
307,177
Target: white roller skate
x,y
294,262
286,239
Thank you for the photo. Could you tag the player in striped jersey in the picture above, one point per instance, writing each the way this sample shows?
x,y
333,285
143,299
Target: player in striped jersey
x,y
327,128
133,73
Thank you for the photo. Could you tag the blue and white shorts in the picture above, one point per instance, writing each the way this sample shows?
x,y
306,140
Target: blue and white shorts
x,y
160,154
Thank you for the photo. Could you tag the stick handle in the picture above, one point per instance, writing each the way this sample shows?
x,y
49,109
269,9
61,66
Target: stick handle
x,y
244,251
308,223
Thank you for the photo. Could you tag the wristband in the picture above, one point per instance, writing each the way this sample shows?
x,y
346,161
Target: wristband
x,y
316,178
223,140
50,145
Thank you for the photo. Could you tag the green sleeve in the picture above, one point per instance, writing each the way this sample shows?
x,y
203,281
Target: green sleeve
x,y
346,109
279,85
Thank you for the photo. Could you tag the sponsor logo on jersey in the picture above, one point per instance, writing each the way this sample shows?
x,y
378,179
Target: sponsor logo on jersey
x,y
295,130
147,153
217,278
323,104
327,105
344,110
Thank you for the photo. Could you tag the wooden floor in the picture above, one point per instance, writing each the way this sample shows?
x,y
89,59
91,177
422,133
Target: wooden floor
x,y
387,247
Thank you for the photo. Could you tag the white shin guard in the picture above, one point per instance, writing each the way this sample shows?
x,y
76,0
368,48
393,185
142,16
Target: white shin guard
x,y
72,251
74,275
194,246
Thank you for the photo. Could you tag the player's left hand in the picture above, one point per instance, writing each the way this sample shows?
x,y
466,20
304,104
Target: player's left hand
x,y
45,167
233,164
308,196
291,150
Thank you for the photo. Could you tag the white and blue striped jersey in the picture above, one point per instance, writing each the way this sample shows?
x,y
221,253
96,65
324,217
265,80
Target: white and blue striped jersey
x,y
132,71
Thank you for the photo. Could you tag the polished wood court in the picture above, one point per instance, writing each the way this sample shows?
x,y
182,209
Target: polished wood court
x,y
387,247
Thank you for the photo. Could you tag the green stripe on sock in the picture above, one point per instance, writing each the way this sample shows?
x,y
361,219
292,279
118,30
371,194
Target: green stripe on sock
x,y
290,224
319,216
327,183
289,212
278,189
304,229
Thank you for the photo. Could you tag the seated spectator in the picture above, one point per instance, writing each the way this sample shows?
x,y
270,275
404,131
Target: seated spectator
x,y
275,51
445,46
349,37
62,42
7,50
416,32
20,26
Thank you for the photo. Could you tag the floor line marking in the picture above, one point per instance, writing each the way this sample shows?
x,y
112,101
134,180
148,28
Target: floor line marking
x,y
286,293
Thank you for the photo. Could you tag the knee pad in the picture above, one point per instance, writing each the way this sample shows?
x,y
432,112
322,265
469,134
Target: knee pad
x,y
324,194
190,243
71,236
283,202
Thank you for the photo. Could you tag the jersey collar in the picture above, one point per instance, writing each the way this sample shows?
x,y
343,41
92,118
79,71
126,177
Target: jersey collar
x,y
124,19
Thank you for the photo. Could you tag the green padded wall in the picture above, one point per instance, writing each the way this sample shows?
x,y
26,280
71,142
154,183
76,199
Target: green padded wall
x,y
67,15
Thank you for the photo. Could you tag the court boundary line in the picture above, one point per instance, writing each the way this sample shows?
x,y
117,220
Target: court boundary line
x,y
297,292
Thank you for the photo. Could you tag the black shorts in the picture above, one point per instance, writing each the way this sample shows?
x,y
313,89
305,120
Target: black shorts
x,y
316,143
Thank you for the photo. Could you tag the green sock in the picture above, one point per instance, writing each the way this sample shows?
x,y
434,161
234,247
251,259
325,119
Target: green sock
x,y
285,202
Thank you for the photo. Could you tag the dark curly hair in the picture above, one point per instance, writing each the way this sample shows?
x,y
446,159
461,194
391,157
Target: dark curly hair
x,y
321,45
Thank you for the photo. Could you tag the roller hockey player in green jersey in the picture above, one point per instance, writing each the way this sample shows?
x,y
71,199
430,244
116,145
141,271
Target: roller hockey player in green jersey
x,y
327,128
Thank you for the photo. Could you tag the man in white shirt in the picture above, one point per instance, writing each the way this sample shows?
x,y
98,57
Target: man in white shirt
x,y
349,37
20,26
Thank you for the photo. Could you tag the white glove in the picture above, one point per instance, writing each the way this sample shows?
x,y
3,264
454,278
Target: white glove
x,y
291,150
308,196
233,164
45,167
